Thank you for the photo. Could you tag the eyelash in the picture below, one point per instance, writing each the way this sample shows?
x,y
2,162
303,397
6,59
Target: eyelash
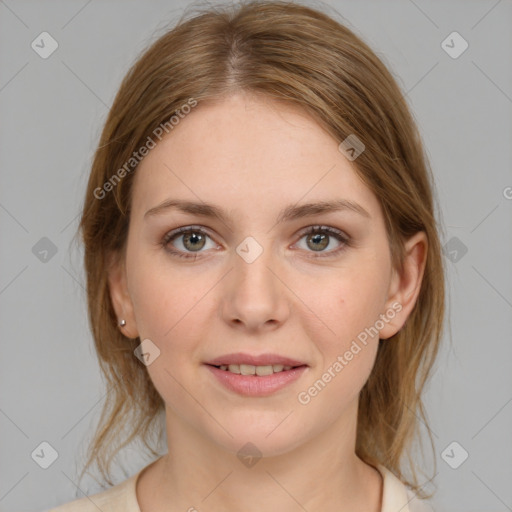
x,y
338,235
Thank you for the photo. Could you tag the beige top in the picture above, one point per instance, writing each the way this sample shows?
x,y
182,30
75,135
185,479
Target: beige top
x,y
123,498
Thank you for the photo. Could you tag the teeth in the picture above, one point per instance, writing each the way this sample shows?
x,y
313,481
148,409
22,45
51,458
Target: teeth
x,y
264,370
249,369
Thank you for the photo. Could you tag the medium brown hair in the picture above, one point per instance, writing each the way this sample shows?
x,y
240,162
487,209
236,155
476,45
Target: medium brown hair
x,y
299,55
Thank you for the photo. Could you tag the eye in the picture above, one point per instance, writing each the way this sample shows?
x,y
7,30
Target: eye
x,y
318,237
194,240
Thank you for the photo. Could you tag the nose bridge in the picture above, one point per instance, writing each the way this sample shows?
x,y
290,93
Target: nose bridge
x,y
256,294
253,261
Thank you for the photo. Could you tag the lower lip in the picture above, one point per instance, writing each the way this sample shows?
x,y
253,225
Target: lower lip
x,y
254,385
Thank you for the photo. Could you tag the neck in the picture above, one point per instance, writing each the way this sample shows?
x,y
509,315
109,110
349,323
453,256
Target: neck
x,y
323,473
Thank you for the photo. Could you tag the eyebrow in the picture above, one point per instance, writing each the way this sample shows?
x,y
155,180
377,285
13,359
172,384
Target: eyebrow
x,y
289,213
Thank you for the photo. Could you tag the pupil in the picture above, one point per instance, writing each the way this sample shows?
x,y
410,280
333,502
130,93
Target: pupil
x,y
194,237
318,237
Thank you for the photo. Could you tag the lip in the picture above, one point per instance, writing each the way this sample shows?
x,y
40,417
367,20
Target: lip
x,y
254,385
255,360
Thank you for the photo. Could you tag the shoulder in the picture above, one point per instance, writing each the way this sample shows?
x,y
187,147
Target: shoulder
x,y
120,498
396,496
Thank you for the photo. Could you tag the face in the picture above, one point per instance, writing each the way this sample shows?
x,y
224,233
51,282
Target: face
x,y
256,281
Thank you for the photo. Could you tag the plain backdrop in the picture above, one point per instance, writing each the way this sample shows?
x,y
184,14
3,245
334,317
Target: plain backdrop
x,y
52,111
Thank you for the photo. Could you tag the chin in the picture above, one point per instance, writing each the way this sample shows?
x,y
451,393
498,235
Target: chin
x,y
264,439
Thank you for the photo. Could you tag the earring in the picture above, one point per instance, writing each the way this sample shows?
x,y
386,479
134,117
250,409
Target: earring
x,y
122,323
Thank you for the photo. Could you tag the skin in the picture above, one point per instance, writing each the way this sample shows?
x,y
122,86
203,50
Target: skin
x,y
252,157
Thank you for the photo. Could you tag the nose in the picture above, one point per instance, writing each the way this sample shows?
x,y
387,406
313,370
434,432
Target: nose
x,y
255,296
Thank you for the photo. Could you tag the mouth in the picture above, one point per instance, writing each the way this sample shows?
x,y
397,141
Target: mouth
x,y
259,371
256,380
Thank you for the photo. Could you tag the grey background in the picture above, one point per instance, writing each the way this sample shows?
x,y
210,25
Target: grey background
x,y
52,111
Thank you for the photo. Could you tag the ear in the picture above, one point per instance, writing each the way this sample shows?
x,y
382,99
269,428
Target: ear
x,y
119,295
405,287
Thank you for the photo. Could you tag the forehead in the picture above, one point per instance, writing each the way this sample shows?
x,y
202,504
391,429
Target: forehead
x,y
247,150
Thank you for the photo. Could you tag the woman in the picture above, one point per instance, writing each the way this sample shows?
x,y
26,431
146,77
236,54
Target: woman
x,y
263,270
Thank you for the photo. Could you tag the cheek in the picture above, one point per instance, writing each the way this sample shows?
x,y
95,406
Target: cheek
x,y
167,306
164,297
351,302
348,348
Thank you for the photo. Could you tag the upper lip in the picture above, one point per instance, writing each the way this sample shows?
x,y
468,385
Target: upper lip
x,y
255,360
